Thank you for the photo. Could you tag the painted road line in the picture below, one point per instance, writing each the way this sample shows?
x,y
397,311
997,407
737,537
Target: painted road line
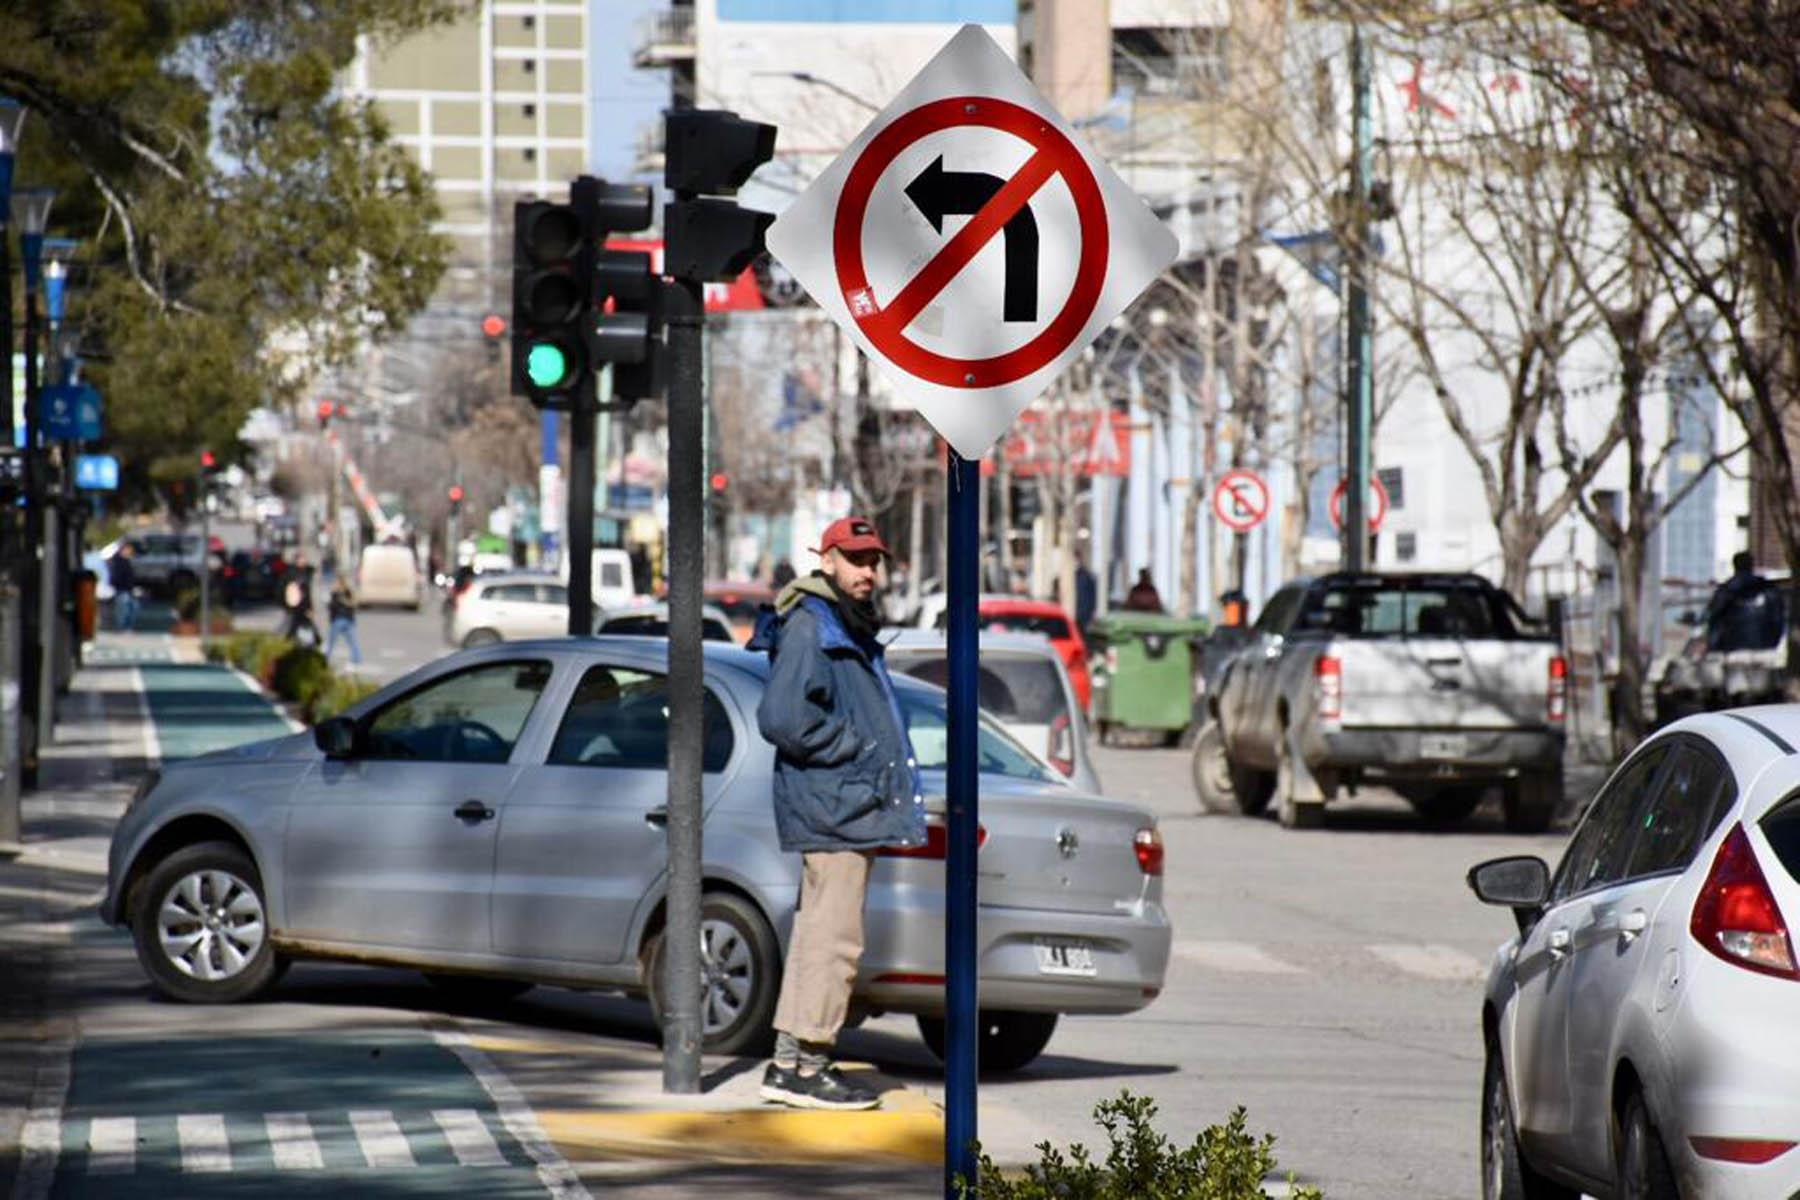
x,y
1431,961
252,684
40,1140
553,1171
204,1146
146,722
291,1142
469,1138
112,1146
1244,958
383,1145
750,1135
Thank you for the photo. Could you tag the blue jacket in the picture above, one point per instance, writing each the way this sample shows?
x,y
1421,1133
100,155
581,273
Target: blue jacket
x,y
845,774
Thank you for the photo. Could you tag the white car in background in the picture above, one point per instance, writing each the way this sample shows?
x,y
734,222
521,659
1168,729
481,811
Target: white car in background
x,y
508,606
1643,1028
1021,683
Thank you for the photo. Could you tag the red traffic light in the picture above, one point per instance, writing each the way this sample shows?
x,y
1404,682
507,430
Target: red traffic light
x,y
207,460
326,409
456,494
720,481
493,325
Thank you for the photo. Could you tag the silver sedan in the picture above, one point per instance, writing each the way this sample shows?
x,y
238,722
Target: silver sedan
x,y
496,820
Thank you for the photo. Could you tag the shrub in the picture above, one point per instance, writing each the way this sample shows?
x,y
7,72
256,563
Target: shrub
x,y
300,675
343,691
187,604
1223,1163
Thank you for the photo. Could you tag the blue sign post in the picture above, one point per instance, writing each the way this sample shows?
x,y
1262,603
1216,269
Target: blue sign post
x,y
964,802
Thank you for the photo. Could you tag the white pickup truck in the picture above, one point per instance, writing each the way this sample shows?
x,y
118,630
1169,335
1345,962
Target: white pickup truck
x,y
1436,685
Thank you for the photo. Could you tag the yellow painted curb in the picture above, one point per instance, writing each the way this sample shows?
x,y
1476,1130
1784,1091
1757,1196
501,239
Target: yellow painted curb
x,y
749,1135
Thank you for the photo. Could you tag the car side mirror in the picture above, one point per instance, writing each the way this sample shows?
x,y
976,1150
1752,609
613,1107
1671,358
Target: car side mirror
x,y
1520,882
338,737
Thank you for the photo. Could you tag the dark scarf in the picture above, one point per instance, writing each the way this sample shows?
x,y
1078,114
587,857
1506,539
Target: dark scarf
x,y
859,616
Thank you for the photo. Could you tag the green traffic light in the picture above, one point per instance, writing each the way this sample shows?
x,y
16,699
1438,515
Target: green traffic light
x,y
546,364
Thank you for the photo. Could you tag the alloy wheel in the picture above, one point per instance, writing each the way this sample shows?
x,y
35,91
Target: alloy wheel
x,y
210,925
727,974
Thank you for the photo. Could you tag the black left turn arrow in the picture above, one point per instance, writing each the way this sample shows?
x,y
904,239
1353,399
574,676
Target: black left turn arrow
x,y
939,193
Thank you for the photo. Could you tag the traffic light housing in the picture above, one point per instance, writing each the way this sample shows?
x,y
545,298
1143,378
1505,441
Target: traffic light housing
x,y
709,152
552,258
456,498
327,410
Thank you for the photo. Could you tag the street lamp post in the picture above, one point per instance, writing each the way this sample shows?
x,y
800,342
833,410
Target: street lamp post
x,y
31,211
12,116
62,371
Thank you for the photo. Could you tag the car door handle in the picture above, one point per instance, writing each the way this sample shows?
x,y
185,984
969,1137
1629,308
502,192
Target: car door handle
x,y
658,816
474,810
1629,925
1560,942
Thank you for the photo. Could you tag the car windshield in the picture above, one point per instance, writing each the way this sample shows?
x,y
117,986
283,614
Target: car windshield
x,y
928,724
1019,690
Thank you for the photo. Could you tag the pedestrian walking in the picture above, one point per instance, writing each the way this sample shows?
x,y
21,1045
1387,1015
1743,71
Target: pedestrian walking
x,y
846,784
296,600
122,575
1143,596
341,608
783,574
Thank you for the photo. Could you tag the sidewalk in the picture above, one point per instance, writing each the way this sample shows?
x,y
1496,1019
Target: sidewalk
x,y
143,699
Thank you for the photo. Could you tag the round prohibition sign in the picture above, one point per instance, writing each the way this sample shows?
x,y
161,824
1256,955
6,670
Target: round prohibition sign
x,y
1377,511
1052,154
1241,500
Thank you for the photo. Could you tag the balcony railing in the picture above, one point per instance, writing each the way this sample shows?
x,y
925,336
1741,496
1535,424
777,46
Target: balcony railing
x,y
665,37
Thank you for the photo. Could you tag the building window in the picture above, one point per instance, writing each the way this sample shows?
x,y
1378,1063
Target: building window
x,y
528,22
1181,61
1406,546
529,65
1393,482
530,153
530,110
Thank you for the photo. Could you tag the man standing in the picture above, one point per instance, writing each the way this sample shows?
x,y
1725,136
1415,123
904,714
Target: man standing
x,y
846,783
296,598
123,577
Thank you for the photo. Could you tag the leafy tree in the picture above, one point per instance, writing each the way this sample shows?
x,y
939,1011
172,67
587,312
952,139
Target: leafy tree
x,y
244,223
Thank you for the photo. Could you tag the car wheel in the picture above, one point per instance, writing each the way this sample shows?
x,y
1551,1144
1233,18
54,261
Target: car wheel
x,y
1643,1171
1532,800
1291,812
480,637
1212,774
1447,805
1505,1174
201,927
1006,1041
479,990
740,976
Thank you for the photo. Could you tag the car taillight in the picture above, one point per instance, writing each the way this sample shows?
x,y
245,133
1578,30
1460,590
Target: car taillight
x,y
937,844
1556,698
1328,670
1736,917
1061,751
1149,847
1751,1151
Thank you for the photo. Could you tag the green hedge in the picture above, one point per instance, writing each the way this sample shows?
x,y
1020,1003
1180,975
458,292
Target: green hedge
x,y
1223,1163
297,674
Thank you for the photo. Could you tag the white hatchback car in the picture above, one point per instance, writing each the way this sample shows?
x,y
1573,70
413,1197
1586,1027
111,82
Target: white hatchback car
x,y
1643,1028
509,606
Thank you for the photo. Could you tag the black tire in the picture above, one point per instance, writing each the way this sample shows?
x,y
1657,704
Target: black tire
x,y
740,977
209,896
1211,770
1006,1041
478,990
1532,800
1447,805
1642,1171
1290,812
480,637
1505,1172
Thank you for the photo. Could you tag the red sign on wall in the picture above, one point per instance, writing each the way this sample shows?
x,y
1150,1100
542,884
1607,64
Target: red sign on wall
x,y
740,293
1077,442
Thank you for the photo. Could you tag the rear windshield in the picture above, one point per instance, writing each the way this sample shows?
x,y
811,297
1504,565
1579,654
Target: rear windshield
x,y
1782,828
1021,691
1394,609
1053,627
928,726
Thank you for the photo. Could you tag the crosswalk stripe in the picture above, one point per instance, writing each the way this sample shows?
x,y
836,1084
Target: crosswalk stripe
x,y
469,1138
112,1146
1243,957
291,1141
203,1143
383,1145
1431,961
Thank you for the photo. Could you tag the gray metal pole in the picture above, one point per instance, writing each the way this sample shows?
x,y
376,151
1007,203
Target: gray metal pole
x,y
12,609
34,728
578,531
205,559
47,623
687,517
1359,394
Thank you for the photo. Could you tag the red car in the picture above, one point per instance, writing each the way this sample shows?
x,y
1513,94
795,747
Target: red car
x,y
1020,614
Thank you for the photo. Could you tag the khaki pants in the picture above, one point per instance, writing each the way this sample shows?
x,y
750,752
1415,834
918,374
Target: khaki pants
x,y
827,943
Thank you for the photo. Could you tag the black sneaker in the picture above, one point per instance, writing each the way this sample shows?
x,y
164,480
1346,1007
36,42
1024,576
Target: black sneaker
x,y
824,1089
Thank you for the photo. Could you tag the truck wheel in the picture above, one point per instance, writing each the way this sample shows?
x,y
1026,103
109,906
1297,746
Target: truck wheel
x,y
1215,779
1292,813
1447,805
1532,800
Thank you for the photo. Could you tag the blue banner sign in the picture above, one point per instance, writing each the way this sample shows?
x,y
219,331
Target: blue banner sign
x,y
97,473
71,410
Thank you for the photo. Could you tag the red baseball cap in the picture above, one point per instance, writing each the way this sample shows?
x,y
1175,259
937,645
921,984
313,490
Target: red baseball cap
x,y
852,534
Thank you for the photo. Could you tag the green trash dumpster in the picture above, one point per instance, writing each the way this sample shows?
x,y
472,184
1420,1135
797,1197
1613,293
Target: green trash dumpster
x,y
1145,679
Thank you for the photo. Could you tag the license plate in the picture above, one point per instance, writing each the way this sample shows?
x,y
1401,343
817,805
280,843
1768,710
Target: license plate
x,y
1443,745
1065,958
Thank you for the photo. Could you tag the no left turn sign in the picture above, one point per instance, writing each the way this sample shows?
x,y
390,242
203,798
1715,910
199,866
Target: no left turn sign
x,y
969,242
1241,500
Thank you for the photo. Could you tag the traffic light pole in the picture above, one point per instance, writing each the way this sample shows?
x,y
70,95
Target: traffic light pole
x,y
580,525
1359,393
12,577
681,930
33,662
201,488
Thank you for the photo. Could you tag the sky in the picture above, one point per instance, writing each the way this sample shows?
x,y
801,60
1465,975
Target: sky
x,y
623,99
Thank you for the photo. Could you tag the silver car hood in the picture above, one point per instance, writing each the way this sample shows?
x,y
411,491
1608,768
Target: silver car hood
x,y
287,746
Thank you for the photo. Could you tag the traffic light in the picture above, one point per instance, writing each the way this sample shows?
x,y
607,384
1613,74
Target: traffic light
x,y
720,481
456,498
627,330
552,259
712,151
209,463
326,411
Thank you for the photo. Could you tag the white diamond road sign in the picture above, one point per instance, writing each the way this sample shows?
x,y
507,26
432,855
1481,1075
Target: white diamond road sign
x,y
970,243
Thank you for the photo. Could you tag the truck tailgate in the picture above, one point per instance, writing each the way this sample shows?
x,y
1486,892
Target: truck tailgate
x,y
1444,682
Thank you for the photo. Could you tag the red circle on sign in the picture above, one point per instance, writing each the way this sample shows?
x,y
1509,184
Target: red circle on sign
x,y
1063,159
1336,507
1234,486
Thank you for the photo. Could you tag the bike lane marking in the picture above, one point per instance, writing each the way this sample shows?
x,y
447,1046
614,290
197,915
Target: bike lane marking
x,y
198,708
